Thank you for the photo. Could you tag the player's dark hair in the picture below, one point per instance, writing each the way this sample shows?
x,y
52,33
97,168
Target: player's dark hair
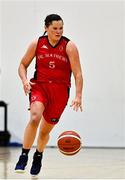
x,y
52,17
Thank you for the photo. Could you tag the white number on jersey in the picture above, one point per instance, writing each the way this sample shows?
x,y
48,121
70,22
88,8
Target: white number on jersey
x,y
52,64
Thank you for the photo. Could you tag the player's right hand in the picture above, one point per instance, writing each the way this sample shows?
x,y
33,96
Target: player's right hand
x,y
27,85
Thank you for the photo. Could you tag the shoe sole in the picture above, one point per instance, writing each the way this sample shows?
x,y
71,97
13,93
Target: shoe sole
x,y
20,171
34,176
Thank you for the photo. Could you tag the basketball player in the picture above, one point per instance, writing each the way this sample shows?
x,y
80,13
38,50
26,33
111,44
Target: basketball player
x,y
56,58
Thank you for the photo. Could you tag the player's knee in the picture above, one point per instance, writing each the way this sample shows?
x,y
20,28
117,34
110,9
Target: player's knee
x,y
35,118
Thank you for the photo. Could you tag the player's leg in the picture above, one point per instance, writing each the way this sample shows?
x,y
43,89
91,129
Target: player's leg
x,y
43,137
51,114
36,111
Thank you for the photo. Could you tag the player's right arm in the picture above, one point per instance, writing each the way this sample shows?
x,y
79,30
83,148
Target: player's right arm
x,y
25,62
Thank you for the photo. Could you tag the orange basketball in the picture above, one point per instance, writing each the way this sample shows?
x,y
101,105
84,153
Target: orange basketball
x,y
69,142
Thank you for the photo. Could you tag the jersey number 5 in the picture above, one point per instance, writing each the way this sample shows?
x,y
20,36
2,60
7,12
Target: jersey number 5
x,y
52,64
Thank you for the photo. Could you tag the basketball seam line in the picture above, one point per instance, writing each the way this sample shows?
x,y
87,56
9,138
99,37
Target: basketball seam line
x,y
70,152
70,136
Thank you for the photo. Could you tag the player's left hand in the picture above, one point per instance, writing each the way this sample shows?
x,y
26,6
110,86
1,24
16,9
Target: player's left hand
x,y
76,104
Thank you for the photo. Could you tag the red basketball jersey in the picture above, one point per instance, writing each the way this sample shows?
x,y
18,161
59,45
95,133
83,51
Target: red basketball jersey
x,y
52,63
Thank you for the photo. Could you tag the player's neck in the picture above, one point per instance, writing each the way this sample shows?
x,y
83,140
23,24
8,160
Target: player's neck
x,y
52,41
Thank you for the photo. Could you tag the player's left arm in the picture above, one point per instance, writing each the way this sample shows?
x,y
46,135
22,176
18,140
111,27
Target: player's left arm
x,y
74,59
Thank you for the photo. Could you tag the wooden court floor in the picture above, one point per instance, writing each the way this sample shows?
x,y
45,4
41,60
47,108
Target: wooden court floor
x,y
89,163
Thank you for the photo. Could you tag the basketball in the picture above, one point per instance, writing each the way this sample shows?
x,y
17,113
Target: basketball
x,y
69,143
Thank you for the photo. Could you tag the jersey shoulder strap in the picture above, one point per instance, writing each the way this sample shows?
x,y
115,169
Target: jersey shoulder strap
x,y
65,38
42,37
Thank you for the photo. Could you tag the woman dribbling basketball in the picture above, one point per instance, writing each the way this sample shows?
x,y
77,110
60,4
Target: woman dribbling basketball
x,y
56,58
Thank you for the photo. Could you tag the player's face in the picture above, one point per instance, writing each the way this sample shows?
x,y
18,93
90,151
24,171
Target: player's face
x,y
55,30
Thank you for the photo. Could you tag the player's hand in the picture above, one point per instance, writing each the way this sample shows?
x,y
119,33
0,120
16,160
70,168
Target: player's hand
x,y
27,85
76,104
